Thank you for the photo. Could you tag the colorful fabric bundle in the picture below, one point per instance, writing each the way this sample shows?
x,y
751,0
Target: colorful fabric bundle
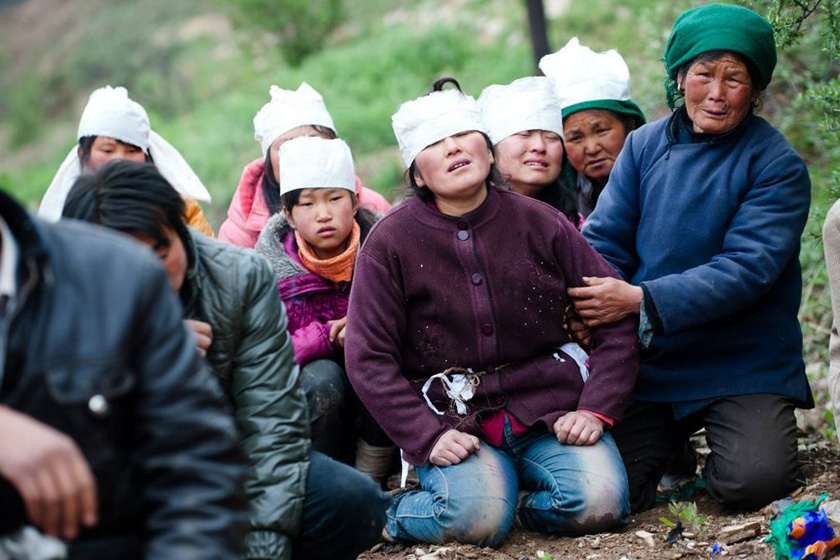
x,y
802,532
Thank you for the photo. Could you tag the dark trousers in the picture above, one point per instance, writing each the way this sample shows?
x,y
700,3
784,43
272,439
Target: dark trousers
x,y
325,386
336,415
343,512
752,439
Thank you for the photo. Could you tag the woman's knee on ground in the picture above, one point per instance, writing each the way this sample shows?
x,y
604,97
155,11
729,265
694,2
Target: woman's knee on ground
x,y
480,522
478,506
751,484
754,457
577,489
606,510
594,505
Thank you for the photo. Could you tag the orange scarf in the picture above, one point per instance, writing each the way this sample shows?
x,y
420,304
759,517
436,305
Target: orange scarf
x,y
337,269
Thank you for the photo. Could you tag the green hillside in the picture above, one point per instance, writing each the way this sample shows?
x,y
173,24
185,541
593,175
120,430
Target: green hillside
x,y
202,75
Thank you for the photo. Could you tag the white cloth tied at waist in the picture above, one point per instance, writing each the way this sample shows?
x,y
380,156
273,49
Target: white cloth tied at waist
x,y
460,388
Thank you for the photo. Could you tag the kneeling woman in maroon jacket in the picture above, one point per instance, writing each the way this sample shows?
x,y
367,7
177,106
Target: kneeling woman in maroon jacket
x,y
459,351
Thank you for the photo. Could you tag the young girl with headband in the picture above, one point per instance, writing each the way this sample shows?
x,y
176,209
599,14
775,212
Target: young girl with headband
x,y
312,244
289,114
113,126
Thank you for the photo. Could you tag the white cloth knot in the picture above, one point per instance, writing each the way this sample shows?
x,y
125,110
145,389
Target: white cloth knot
x,y
459,387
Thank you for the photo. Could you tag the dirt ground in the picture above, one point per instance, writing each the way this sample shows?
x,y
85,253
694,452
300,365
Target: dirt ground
x,y
820,461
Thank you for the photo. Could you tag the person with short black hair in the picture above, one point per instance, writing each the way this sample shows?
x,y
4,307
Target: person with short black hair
x,y
114,436
303,504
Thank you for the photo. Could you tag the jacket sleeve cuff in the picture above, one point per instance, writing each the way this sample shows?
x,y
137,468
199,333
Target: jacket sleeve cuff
x,y
649,321
312,342
268,544
608,421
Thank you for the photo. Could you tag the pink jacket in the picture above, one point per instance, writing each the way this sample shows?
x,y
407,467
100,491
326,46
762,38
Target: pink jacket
x,y
248,212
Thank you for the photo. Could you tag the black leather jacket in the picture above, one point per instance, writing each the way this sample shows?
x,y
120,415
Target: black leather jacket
x,y
96,348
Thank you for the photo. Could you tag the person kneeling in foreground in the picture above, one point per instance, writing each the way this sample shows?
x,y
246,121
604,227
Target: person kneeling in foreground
x,y
113,434
456,345
303,504
718,304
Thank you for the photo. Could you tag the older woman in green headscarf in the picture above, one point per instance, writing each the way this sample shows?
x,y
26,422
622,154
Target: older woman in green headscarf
x,y
598,114
702,217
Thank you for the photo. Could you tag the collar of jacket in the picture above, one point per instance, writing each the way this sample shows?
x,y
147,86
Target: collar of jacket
x,y
729,136
272,245
277,244
191,289
33,252
429,214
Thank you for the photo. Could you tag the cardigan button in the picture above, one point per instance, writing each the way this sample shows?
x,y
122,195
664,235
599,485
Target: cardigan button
x,y
487,330
462,224
98,406
463,235
476,279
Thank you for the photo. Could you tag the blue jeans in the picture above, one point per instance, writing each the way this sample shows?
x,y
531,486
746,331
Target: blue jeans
x,y
565,489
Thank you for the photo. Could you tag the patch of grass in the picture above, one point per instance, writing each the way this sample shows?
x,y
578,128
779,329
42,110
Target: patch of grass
x,y
387,177
685,513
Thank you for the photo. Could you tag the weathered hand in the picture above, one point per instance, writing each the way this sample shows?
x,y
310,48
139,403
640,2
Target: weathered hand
x,y
452,448
203,334
579,332
579,428
605,300
50,473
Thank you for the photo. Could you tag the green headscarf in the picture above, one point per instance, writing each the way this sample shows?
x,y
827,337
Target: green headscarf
x,y
720,27
624,107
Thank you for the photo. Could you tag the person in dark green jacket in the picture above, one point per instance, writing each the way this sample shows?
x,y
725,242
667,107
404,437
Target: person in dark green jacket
x,y
303,504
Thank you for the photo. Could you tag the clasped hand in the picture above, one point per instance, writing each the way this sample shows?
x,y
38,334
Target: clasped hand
x,y
605,300
579,428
